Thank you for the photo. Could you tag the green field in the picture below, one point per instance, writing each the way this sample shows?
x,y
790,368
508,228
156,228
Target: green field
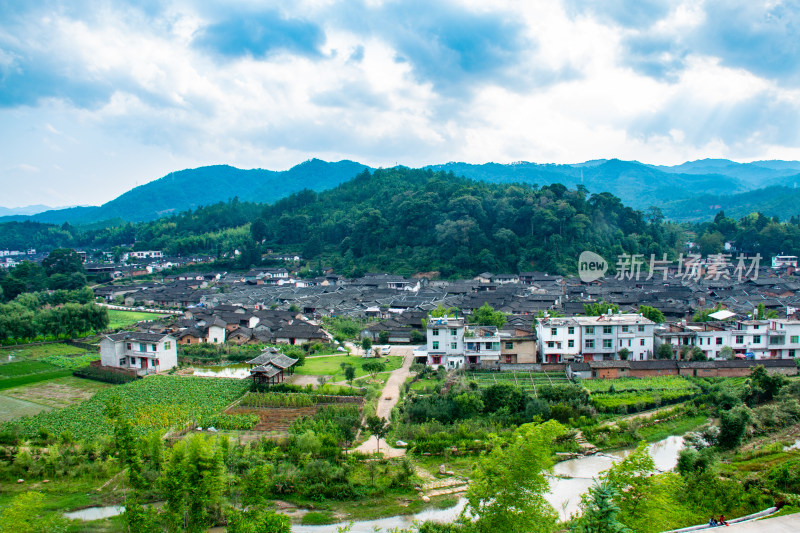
x,y
57,393
155,403
11,408
37,351
527,381
329,366
120,319
620,395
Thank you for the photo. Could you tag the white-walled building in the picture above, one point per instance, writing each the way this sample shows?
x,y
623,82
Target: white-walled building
x,y
142,352
446,342
482,346
595,338
784,338
559,339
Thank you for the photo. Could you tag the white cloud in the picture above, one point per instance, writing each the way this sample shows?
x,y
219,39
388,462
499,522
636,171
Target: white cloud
x,y
128,96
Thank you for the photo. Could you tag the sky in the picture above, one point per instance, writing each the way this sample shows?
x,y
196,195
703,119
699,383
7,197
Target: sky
x,y
97,96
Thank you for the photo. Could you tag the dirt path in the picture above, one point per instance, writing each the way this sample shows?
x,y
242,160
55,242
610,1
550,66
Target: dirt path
x,y
387,401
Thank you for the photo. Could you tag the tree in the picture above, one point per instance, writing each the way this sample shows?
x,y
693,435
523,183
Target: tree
x,y
665,351
762,314
632,477
652,313
378,427
600,510
732,427
257,521
366,344
726,352
599,308
509,484
703,315
349,373
624,353
485,315
383,337
63,261
697,354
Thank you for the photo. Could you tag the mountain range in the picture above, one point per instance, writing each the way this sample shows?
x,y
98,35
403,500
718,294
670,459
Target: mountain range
x,y
694,190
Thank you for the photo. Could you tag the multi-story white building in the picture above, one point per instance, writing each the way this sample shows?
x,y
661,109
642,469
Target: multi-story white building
x,y
446,342
482,346
784,338
143,352
595,338
559,339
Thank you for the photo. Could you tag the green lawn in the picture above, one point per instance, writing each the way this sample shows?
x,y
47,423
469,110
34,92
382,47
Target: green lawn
x,y
37,351
121,319
329,366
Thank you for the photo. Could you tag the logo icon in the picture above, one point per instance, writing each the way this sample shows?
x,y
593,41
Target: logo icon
x,y
591,267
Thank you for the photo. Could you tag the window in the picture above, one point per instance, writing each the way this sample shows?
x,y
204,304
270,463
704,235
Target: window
x,y
794,339
551,344
641,342
606,343
509,345
641,328
620,342
142,347
453,345
122,362
435,332
590,343
553,331
756,326
167,345
155,348
606,330
127,345
624,329
571,330
571,343
590,330
435,345
453,332
756,339
739,339
791,353
719,341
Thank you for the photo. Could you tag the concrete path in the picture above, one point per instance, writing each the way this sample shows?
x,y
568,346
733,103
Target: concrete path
x,y
387,401
789,523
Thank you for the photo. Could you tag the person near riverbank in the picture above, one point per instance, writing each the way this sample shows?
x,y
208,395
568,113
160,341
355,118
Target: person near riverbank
x,y
712,522
722,521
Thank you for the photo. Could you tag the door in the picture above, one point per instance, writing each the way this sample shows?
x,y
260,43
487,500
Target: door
x,y
144,362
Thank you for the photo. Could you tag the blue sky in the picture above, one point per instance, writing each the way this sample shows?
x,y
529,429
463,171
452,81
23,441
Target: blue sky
x,y
97,97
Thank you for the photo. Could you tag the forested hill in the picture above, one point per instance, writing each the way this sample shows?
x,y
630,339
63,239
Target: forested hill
x,y
397,220
638,185
406,221
188,189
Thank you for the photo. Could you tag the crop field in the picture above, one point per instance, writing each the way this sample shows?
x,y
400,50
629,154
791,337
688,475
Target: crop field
x,y
26,372
57,393
156,403
274,419
37,351
622,395
121,319
527,381
11,408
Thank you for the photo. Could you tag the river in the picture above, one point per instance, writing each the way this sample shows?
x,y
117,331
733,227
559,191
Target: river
x,y
570,479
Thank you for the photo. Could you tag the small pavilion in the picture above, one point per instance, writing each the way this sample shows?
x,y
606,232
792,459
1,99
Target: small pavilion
x,y
271,367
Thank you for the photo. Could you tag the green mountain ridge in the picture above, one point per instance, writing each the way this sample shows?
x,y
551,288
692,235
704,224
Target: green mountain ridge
x,y
638,185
